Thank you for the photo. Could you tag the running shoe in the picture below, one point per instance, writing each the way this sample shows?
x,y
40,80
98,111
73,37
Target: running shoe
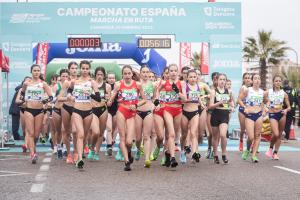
x,y
167,159
216,160
155,153
119,156
65,154
176,148
109,151
54,150
225,161
211,155
137,155
34,158
241,146
24,148
275,156
151,157
245,154
147,164
255,159
86,150
69,159
96,157
79,164
142,150
163,161
196,157
127,166
130,158
269,153
59,154
75,155
91,155
208,153
173,162
182,157
187,149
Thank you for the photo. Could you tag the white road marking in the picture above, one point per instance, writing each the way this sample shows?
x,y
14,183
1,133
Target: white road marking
x,y
287,169
40,177
44,168
47,160
10,173
12,159
48,154
37,187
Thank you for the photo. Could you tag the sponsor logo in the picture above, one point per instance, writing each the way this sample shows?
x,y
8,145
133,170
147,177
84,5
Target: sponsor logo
x,y
227,63
218,25
147,56
225,46
29,18
106,47
219,11
5,46
16,47
208,11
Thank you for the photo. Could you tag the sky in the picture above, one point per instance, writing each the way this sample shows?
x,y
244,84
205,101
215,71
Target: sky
x,y
278,16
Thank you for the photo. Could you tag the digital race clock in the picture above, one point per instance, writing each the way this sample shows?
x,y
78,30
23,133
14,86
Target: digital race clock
x,y
84,41
159,43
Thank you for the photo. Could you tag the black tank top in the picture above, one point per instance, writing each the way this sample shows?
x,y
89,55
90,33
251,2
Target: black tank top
x,y
222,97
114,105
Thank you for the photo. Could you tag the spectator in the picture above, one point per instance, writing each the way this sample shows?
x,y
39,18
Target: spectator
x,y
14,111
290,116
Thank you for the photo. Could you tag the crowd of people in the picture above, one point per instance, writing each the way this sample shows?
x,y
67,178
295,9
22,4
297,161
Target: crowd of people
x,y
85,108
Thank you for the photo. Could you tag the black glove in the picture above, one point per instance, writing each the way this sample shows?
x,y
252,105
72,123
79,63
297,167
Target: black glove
x,y
175,88
156,102
22,96
50,98
70,90
96,96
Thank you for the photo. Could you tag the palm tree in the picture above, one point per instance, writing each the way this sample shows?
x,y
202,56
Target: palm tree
x,y
195,61
265,50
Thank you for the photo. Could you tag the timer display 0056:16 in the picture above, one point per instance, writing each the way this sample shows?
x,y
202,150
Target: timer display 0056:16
x,y
159,43
84,42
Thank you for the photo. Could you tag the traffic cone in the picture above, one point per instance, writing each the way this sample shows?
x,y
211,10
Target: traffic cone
x,y
292,133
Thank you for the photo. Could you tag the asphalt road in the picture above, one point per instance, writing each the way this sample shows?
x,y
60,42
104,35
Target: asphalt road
x,y
53,179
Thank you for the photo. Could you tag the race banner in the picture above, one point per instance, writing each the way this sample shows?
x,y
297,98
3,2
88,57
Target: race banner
x,y
184,54
204,63
42,56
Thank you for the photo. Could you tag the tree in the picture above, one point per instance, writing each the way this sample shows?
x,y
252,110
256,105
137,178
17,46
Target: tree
x,y
196,60
265,50
292,74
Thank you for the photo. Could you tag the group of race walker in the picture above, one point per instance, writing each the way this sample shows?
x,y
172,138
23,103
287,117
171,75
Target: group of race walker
x,y
86,108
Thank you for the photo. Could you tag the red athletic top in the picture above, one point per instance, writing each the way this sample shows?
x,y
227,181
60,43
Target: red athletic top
x,y
128,95
168,95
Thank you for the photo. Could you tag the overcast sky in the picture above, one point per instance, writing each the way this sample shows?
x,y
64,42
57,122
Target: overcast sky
x,y
280,16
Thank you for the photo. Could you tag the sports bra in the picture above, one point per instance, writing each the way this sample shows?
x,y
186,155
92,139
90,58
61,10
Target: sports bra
x,y
82,92
168,95
276,98
128,94
34,92
254,98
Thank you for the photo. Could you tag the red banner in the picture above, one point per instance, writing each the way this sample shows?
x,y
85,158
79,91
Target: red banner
x,y
204,58
211,0
4,62
184,54
42,56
